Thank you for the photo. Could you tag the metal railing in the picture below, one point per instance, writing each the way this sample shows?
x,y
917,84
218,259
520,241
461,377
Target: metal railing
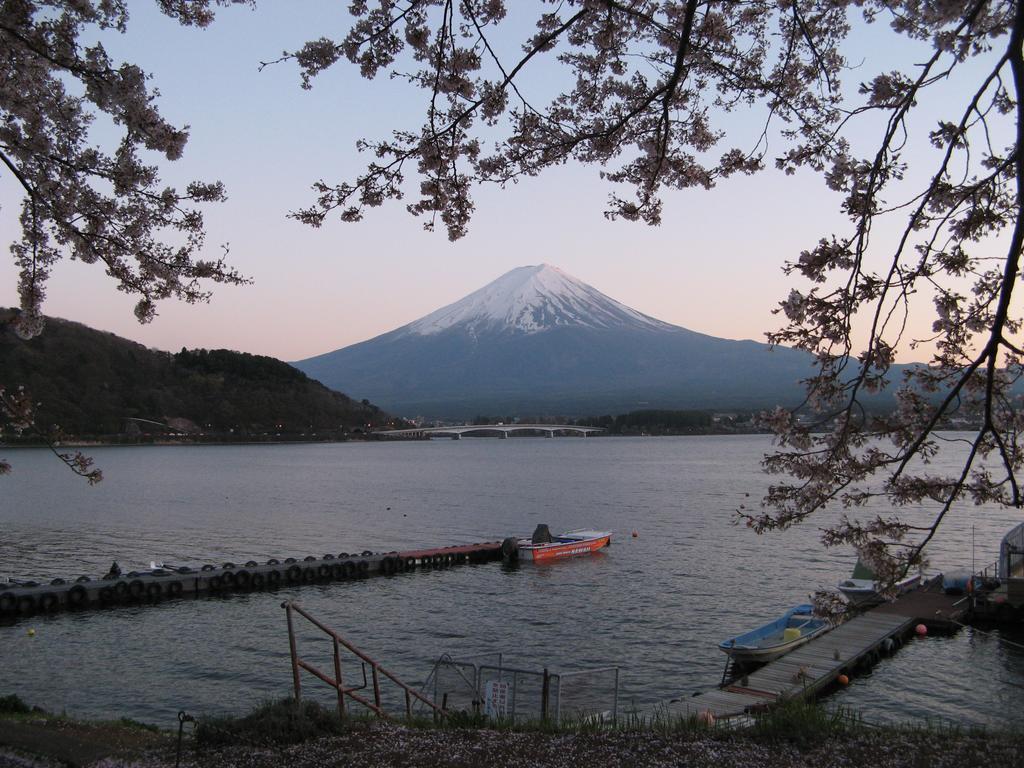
x,y
376,672
990,571
516,694
454,683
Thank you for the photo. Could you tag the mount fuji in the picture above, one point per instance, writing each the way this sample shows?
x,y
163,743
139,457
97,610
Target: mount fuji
x,y
538,341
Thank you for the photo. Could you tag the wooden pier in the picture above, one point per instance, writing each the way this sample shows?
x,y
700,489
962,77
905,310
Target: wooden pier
x,y
812,668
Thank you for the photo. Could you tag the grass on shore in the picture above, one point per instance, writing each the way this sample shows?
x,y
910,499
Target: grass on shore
x,y
803,726
798,723
12,707
273,722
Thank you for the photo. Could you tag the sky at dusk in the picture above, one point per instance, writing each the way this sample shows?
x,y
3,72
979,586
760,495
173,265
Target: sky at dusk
x,y
713,266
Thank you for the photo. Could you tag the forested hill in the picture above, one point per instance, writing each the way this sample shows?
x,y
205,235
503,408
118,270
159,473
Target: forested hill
x,y
92,383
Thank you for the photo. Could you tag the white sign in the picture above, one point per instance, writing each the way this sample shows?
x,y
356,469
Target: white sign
x,y
496,698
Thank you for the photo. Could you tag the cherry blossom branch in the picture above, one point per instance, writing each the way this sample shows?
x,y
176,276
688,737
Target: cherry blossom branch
x,y
18,415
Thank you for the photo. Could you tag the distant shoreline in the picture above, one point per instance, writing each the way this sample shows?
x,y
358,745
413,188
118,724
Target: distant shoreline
x,y
365,438
96,443
102,443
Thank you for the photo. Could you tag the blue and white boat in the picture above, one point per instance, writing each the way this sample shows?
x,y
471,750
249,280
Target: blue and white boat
x,y
776,638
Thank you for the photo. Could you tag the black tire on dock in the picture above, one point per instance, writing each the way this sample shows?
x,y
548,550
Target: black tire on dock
x,y
387,566
26,605
251,564
121,590
107,595
410,563
273,579
294,574
343,555
308,575
309,558
367,552
77,596
207,567
243,580
228,579
509,549
362,568
289,560
49,602
323,573
154,591
174,589
337,571
58,582
215,583
8,602
350,569
228,566
82,579
327,557
136,589
273,561
259,581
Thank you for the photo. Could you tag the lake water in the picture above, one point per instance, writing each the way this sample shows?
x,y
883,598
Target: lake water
x,y
656,605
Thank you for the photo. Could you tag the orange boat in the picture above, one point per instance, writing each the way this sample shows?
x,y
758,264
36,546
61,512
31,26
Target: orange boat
x,y
543,547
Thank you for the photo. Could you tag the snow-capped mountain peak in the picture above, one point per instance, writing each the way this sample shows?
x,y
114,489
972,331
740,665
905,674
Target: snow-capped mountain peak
x,y
533,299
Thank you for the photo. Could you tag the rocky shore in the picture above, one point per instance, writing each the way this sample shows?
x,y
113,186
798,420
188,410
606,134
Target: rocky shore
x,y
380,745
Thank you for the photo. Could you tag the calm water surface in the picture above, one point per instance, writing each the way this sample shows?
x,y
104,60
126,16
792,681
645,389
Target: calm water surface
x,y
656,604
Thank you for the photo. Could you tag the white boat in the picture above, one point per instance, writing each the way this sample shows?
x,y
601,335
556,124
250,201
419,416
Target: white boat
x,y
776,638
862,588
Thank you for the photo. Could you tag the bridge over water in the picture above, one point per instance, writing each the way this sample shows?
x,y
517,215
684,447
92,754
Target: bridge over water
x,y
488,430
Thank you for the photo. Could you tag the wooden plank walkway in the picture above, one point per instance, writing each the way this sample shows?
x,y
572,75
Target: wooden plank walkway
x,y
930,605
801,673
808,670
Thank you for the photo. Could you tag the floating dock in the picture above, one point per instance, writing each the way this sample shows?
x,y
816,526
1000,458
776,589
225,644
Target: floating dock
x,y
813,667
86,593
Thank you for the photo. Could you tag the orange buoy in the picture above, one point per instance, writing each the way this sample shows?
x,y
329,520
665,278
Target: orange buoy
x,y
921,630
843,680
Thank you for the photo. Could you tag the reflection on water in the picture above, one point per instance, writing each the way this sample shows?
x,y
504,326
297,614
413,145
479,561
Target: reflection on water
x,y
656,605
